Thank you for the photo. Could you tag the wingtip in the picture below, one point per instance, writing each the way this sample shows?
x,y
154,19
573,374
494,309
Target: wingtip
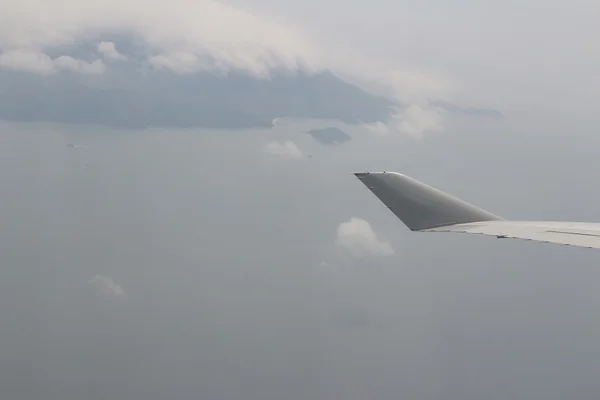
x,y
361,175
418,205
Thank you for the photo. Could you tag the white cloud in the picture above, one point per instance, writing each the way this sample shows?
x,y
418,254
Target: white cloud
x,y
108,286
72,64
404,82
109,51
179,34
285,149
416,120
377,127
40,63
188,36
357,237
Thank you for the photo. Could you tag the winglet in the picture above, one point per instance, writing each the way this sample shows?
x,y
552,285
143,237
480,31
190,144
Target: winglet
x,y
418,205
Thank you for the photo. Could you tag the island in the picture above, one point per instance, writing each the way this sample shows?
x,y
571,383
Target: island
x,y
330,136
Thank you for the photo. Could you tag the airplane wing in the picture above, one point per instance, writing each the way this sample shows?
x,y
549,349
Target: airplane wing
x,y
423,208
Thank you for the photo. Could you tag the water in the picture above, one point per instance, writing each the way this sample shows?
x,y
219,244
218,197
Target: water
x,y
218,248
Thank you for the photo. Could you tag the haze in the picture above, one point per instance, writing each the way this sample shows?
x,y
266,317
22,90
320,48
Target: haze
x,y
250,264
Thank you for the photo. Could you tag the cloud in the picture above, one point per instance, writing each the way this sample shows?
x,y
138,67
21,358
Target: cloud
x,y
182,35
285,149
108,286
357,237
109,51
206,35
416,120
377,127
41,63
190,36
405,83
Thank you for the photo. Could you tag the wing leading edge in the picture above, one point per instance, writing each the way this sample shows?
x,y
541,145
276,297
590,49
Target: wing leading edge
x,y
423,208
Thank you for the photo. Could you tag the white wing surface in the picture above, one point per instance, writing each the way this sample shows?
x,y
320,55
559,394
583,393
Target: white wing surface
x,y
423,208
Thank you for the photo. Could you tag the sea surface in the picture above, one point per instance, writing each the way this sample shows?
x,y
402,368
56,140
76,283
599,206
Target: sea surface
x,y
159,263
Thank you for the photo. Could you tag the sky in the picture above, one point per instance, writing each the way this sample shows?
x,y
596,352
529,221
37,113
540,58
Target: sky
x,y
251,264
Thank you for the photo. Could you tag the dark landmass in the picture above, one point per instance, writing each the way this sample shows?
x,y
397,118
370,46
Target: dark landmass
x,y
132,95
161,98
330,136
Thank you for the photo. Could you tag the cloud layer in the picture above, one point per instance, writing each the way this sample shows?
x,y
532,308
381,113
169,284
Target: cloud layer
x,y
186,37
40,63
180,35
